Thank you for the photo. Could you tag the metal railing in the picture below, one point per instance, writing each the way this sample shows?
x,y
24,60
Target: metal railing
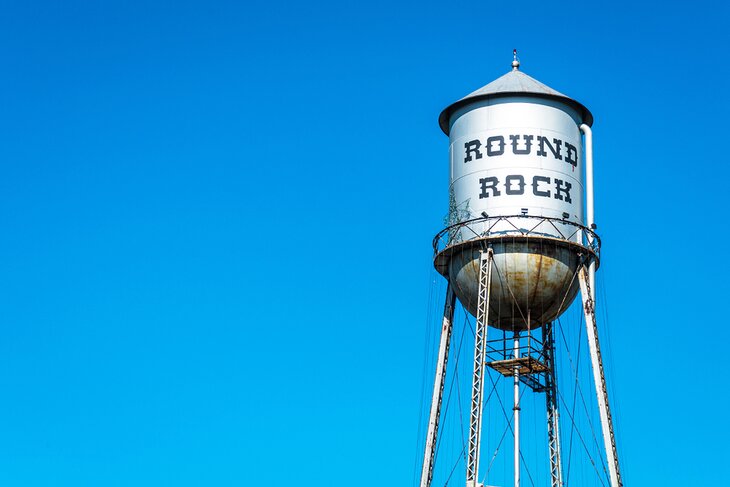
x,y
504,226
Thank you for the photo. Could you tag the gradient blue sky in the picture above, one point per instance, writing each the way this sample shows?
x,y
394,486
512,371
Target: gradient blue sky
x,y
216,222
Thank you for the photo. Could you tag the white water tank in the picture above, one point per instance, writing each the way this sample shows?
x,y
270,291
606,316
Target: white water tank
x,y
517,186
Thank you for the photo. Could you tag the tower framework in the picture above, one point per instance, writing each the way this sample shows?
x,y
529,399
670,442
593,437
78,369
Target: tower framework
x,y
529,359
519,248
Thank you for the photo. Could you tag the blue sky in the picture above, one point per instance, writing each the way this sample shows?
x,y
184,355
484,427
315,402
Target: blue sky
x,y
216,224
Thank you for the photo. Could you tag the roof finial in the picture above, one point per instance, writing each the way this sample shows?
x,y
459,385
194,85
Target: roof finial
x,y
515,61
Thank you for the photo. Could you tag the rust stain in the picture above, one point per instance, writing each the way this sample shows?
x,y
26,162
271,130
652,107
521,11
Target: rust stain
x,y
528,278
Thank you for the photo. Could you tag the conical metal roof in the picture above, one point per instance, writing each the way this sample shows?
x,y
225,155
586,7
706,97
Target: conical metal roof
x,y
514,83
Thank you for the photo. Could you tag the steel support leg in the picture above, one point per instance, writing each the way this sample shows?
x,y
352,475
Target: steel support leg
x,y
480,351
551,402
438,388
587,294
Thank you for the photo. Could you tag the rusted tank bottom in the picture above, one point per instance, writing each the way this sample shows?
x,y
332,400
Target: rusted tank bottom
x,y
533,279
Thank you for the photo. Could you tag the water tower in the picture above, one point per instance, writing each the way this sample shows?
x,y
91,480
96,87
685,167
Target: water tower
x,y
519,246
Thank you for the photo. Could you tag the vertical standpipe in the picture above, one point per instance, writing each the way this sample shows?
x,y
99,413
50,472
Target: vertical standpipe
x,y
517,409
590,215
